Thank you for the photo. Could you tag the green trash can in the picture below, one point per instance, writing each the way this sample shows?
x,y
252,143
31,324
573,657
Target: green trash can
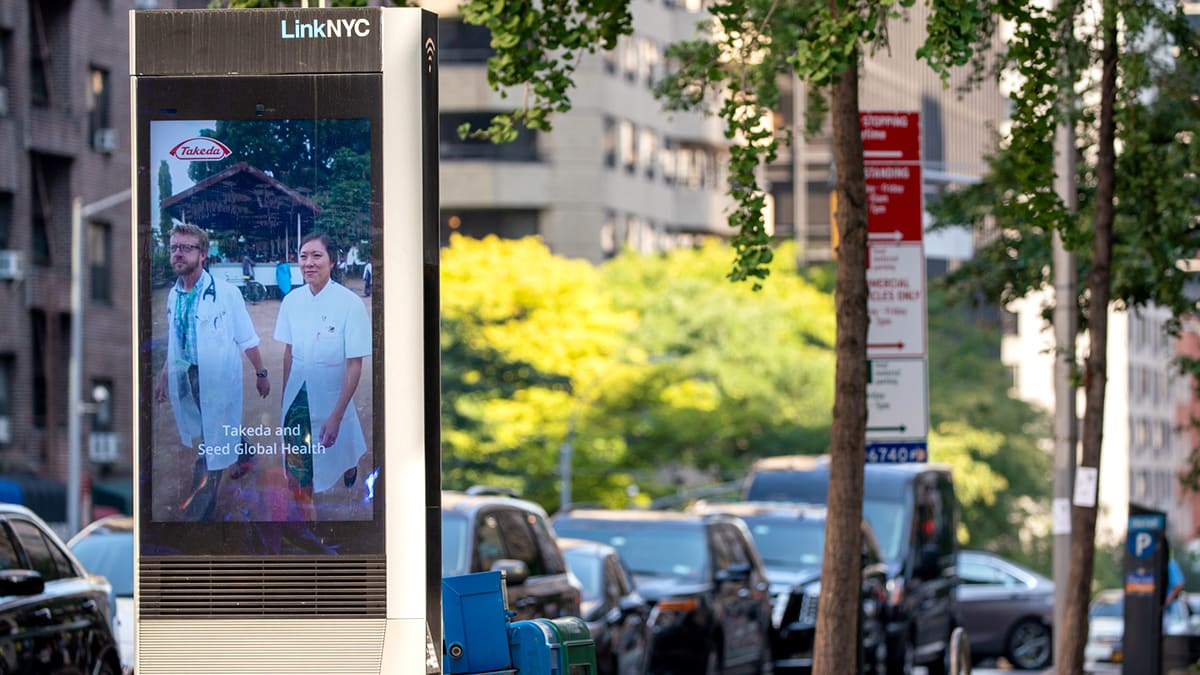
x,y
577,650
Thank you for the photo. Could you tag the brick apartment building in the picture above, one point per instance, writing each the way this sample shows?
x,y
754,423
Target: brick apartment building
x,y
64,135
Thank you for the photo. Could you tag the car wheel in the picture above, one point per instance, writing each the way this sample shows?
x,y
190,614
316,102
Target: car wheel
x,y
1029,645
900,658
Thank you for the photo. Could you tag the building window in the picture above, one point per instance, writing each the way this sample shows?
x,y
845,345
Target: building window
x,y
628,49
8,376
461,42
39,56
667,155
99,257
608,235
647,155
102,399
627,138
610,142
5,42
610,62
648,64
523,149
51,335
40,235
50,179
6,210
99,114
477,224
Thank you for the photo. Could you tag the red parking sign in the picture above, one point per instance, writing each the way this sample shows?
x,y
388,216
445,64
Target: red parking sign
x,y
890,136
893,202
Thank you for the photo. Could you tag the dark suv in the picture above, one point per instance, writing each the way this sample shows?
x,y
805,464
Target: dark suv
x,y
485,529
55,617
791,540
914,514
711,606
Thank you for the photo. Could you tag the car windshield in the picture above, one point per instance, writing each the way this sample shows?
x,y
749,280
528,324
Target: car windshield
x,y
1110,607
788,543
886,519
588,569
648,549
454,545
110,556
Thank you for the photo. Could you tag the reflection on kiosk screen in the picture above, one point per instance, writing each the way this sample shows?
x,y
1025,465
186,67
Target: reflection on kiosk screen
x,y
261,313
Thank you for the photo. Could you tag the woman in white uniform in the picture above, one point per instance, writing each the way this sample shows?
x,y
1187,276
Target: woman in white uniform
x,y
327,333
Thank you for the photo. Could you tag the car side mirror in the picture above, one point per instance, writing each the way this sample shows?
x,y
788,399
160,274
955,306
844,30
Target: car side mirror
x,y
515,571
21,582
631,604
735,572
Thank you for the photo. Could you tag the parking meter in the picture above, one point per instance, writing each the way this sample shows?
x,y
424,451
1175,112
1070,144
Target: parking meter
x,y
1146,557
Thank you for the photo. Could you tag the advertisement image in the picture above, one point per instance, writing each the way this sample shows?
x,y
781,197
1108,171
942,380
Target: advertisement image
x,y
261,338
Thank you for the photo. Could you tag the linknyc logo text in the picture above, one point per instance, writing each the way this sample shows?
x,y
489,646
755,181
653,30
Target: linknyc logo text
x,y
329,28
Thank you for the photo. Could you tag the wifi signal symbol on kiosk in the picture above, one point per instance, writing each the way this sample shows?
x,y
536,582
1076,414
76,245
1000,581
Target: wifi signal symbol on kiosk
x,y
430,51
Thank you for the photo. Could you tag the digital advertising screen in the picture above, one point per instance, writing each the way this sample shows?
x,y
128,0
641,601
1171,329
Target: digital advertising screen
x,y
259,247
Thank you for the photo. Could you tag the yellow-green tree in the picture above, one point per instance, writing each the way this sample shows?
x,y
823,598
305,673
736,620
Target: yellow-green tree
x,y
522,332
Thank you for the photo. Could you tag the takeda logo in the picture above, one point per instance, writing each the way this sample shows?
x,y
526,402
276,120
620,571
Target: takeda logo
x,y
200,149
329,28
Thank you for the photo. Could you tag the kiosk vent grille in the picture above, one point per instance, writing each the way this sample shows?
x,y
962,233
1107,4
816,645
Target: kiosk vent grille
x,y
291,586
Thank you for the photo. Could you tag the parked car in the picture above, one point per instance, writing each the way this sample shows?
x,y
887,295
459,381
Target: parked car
x,y
1106,627
1007,610
486,529
914,514
105,547
790,539
54,616
711,609
616,614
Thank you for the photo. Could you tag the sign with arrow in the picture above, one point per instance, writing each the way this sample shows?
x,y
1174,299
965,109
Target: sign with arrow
x,y
893,203
896,300
897,400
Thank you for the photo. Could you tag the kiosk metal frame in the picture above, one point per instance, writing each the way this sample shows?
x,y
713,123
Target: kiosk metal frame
x,y
256,590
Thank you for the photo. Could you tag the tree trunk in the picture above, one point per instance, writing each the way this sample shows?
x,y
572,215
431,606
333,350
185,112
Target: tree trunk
x,y
1073,635
837,620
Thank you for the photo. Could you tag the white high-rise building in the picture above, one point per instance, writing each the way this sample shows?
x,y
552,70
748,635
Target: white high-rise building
x,y
1144,442
616,171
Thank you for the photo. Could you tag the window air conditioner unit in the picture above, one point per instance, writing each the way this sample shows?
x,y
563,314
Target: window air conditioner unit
x,y
5,429
105,140
3,101
104,447
10,265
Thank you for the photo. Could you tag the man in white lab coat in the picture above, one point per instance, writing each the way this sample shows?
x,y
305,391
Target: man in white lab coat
x,y
208,331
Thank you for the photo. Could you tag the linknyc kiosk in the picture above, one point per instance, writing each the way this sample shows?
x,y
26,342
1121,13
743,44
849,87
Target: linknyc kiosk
x,y
286,327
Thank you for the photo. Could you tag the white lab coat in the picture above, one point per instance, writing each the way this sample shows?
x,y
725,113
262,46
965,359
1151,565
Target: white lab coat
x,y
324,330
223,333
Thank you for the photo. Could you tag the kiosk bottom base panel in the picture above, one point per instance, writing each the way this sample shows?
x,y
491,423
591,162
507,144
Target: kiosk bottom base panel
x,y
270,646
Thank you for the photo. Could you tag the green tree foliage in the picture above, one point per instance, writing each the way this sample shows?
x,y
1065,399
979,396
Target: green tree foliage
x,y
659,369
1125,84
164,191
753,371
1002,476
526,336
327,160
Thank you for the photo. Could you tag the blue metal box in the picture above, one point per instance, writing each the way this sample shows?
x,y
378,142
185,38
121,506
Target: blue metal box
x,y
475,624
535,648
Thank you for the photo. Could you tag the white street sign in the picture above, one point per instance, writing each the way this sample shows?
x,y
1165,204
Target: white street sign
x,y
896,300
897,399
